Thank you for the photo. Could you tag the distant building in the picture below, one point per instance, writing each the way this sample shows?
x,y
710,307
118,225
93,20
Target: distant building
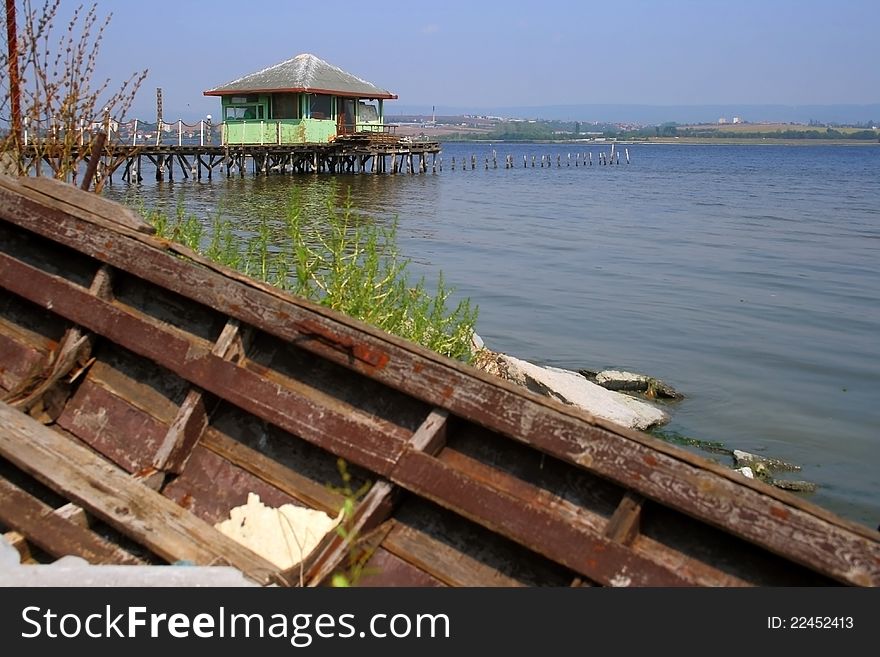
x,y
722,120
301,100
737,119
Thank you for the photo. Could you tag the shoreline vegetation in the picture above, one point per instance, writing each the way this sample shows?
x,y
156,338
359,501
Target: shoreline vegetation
x,y
340,259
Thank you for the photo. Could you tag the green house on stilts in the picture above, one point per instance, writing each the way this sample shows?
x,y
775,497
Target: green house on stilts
x,y
303,100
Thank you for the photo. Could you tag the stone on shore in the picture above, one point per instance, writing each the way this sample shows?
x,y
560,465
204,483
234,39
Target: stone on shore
x,y
742,458
631,382
574,389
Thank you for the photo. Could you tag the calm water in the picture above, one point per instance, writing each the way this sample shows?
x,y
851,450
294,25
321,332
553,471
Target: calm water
x,y
748,277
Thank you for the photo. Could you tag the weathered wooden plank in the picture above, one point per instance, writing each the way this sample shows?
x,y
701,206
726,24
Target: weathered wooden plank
x,y
373,509
113,426
624,524
533,524
497,478
192,418
387,569
442,562
465,553
19,363
209,486
52,533
317,416
430,437
133,509
379,501
68,199
299,487
185,431
139,382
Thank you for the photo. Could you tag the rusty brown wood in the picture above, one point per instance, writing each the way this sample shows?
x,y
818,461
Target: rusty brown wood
x,y
780,523
67,198
192,417
99,418
273,473
185,431
57,536
19,364
387,569
97,149
528,520
623,526
379,502
210,486
135,510
373,509
75,347
441,562
362,439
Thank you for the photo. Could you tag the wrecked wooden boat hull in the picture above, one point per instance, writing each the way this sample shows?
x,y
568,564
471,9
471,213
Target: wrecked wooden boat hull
x,y
147,391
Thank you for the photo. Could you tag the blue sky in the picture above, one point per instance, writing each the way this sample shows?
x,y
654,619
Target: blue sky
x,y
550,52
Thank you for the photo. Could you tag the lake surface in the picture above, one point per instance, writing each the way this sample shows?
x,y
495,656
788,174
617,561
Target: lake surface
x,y
748,277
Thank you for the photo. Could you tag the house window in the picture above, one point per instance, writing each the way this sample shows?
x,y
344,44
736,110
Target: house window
x,y
321,106
285,106
368,112
244,112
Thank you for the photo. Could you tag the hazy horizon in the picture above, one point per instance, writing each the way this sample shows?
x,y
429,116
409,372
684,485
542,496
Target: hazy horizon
x,y
630,53
652,114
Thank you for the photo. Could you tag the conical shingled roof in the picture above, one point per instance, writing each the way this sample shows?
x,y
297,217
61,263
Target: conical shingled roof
x,y
303,73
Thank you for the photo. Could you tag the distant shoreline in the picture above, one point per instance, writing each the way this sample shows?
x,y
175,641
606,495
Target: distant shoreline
x,y
688,141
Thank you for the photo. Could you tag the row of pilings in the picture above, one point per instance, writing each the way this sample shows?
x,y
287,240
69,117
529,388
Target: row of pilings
x,y
543,161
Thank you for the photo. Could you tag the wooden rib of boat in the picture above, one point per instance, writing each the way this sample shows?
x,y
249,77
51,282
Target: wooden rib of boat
x,y
147,391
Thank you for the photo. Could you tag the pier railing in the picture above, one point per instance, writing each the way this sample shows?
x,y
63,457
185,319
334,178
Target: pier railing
x,y
134,132
137,132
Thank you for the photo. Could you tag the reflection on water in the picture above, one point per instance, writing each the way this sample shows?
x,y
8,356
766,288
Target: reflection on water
x,y
747,277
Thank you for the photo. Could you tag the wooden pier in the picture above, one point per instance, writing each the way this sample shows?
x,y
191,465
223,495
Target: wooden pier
x,y
349,154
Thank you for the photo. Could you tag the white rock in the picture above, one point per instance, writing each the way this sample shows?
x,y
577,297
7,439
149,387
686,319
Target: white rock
x,y
746,472
572,388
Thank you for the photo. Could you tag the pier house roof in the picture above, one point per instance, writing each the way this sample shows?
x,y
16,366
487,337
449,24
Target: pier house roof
x,y
304,73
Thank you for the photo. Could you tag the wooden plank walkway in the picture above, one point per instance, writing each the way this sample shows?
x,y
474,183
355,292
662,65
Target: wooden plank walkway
x,y
347,154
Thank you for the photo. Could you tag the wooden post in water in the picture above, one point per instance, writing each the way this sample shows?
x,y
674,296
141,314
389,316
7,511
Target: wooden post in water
x,y
494,159
94,157
591,158
160,170
473,162
558,160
